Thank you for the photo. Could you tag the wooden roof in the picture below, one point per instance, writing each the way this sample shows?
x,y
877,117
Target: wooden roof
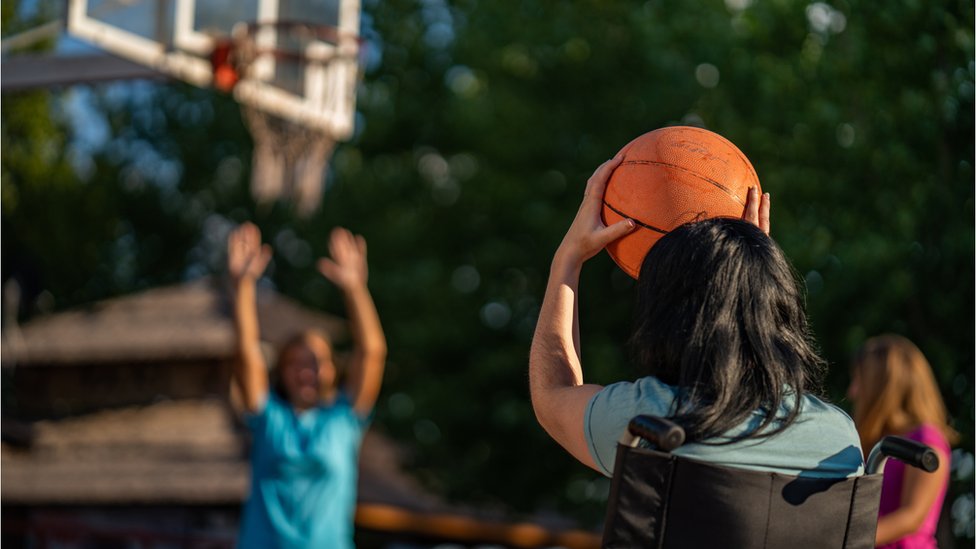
x,y
183,322
186,451
187,321
167,452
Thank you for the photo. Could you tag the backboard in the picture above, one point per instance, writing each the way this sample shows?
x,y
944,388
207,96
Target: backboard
x,y
291,64
302,55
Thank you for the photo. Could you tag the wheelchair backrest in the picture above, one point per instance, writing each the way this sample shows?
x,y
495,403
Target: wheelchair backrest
x,y
662,501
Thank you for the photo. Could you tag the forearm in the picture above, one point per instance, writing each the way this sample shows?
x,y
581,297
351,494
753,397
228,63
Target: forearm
x,y
251,374
559,397
920,492
369,353
245,312
897,525
554,361
364,322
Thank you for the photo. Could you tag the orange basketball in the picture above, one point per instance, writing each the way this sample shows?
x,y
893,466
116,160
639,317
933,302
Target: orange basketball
x,y
669,177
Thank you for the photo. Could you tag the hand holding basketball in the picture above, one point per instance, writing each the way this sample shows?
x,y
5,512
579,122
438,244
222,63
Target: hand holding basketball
x,y
671,176
346,267
588,234
757,210
246,256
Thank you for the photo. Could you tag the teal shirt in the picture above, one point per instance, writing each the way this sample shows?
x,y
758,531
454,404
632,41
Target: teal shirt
x,y
821,443
303,476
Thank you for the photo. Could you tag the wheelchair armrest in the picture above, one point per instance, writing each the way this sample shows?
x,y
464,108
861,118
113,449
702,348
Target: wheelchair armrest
x,y
910,452
661,433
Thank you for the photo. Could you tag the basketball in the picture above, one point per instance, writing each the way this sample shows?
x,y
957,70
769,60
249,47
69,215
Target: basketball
x,y
671,176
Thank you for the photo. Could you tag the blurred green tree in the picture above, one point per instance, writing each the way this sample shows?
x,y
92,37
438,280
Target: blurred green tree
x,y
479,125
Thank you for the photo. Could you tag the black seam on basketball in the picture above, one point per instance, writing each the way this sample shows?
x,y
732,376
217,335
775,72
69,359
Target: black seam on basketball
x,y
727,190
639,222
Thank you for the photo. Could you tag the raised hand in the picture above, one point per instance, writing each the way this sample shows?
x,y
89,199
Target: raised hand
x,y
756,210
346,265
588,235
246,256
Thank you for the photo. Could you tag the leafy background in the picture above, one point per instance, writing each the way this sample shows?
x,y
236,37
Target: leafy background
x,y
477,125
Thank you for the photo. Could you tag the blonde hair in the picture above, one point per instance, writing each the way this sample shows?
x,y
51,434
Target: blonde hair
x,y
897,391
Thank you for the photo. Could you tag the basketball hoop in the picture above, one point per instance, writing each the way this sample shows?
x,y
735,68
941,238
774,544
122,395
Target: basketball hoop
x,y
290,153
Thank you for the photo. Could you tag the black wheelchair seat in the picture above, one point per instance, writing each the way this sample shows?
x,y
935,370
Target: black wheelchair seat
x,y
661,500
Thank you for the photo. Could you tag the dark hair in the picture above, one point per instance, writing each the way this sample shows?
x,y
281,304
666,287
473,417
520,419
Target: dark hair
x,y
719,314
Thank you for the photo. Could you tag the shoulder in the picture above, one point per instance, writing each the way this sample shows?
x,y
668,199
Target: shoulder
x,y
814,406
645,388
931,435
822,442
273,406
342,406
647,395
829,418
611,409
818,406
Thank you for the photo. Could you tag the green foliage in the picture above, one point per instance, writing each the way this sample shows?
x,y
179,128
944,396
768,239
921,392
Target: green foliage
x,y
480,125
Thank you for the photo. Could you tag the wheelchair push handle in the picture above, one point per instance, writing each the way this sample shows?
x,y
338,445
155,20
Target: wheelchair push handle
x,y
663,434
908,451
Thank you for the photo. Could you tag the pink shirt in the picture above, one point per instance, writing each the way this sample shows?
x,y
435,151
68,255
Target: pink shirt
x,y
894,476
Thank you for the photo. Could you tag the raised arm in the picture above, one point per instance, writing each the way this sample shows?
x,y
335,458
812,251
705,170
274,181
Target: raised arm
x,y
246,260
559,396
346,268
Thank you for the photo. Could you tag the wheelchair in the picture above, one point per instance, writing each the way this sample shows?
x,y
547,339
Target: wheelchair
x,y
662,501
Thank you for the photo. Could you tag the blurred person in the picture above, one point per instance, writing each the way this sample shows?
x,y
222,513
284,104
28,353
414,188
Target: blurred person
x,y
721,333
894,393
306,428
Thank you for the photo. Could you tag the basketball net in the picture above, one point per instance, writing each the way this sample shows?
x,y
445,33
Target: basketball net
x,y
289,159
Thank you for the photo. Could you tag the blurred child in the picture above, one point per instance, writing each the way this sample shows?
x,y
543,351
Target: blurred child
x,y
306,428
894,393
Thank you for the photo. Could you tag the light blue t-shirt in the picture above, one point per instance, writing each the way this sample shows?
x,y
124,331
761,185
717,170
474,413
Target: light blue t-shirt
x,y
821,443
303,476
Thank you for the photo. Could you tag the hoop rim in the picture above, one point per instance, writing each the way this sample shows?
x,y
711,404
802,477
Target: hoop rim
x,y
323,31
243,38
